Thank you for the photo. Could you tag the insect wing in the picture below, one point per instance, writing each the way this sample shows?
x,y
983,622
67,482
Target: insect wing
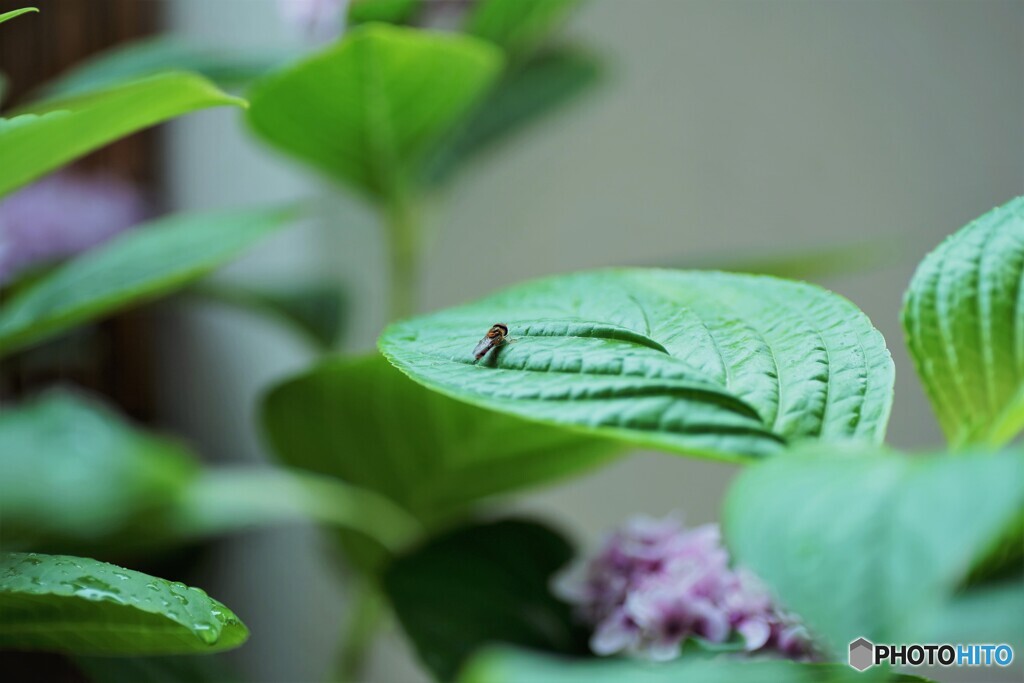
x,y
484,345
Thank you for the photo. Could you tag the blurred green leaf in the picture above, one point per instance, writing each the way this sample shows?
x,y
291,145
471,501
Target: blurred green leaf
x,y
42,138
234,499
986,614
708,364
314,309
800,264
524,95
507,665
390,11
518,26
482,584
863,544
362,421
74,475
148,262
366,109
7,16
206,669
77,605
965,328
71,469
151,56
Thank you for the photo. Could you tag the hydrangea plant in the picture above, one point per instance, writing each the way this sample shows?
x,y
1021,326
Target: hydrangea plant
x,y
401,454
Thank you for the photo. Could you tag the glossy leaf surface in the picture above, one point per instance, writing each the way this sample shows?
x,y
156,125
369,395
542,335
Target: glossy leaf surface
x,y
704,363
74,604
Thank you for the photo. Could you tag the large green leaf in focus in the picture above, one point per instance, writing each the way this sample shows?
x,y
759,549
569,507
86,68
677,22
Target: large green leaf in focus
x,y
71,469
704,363
522,97
483,584
367,108
78,605
147,262
518,26
42,138
509,665
964,323
364,422
7,16
866,544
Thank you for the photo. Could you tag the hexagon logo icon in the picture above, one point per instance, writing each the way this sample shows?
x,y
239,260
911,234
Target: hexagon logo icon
x,y
862,654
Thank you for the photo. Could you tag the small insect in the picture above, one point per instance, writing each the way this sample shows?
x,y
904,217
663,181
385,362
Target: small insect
x,y
495,337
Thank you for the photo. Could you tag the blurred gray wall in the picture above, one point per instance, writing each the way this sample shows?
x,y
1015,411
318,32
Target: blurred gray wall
x,y
723,125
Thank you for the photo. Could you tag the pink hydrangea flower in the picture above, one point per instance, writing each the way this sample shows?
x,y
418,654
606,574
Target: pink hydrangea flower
x,y
64,214
654,583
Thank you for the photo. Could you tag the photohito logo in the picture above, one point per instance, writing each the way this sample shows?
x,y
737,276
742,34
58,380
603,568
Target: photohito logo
x,y
864,654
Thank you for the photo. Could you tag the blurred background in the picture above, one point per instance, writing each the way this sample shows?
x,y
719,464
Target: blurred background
x,y
846,138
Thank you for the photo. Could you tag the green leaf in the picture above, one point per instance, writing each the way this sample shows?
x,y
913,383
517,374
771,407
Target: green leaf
x,y
150,56
51,134
233,499
507,665
77,605
71,470
7,16
704,363
478,585
524,96
518,26
362,421
148,262
864,544
366,109
986,614
800,264
390,11
74,475
314,309
965,328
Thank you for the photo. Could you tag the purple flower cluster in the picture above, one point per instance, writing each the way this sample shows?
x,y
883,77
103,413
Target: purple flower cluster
x,y
654,583
61,215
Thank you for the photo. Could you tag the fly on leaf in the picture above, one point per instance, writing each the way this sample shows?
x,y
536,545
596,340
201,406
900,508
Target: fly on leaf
x,y
495,337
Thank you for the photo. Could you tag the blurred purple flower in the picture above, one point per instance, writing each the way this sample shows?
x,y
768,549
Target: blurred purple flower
x,y
64,214
320,19
654,583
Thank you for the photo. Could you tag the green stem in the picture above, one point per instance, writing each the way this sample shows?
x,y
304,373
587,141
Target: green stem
x,y
403,246
360,632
